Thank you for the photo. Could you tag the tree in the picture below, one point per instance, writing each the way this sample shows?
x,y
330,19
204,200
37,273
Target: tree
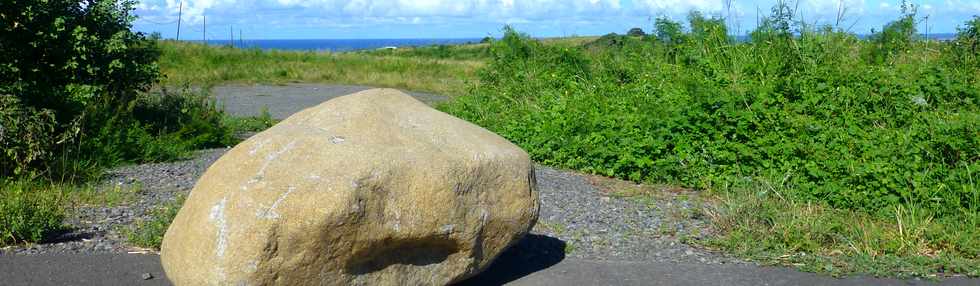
x,y
668,31
636,32
896,37
63,63
66,55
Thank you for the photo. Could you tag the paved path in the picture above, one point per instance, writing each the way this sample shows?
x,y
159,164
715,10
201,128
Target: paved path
x,y
249,100
128,269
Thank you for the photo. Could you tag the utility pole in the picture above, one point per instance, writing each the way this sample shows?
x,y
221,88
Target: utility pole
x,y
241,42
927,28
205,33
231,30
180,12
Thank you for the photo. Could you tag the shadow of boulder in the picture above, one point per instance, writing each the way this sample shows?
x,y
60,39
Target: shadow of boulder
x,y
66,235
532,254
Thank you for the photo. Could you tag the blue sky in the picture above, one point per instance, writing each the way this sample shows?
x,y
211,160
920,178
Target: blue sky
x,y
373,19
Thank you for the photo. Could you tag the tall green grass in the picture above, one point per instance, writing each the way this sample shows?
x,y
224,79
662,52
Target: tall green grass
x,y
196,64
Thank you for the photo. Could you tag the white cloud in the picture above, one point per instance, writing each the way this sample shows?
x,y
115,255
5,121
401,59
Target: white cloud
x,y
971,6
674,7
496,9
825,11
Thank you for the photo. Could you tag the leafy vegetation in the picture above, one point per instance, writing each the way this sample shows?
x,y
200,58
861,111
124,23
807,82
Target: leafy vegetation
x,y
880,139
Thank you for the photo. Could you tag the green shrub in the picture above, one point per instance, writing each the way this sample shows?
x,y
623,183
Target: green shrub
x,y
162,126
75,62
251,124
28,213
26,136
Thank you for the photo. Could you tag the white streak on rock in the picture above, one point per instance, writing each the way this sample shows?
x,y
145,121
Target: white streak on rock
x,y
257,146
398,220
271,213
271,157
447,229
218,218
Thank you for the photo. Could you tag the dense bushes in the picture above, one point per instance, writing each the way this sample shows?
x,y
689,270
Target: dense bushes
x,y
807,112
74,81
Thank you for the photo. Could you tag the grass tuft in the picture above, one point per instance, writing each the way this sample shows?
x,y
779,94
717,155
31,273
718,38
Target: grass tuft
x,y
149,233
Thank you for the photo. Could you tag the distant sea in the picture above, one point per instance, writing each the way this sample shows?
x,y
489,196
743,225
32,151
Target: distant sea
x,y
338,45
343,45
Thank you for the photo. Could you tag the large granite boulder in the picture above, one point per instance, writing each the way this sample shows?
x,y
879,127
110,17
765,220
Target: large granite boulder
x,y
373,188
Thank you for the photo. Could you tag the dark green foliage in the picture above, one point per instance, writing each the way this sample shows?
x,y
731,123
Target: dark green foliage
x,y
163,126
636,32
75,79
26,135
27,214
68,56
807,113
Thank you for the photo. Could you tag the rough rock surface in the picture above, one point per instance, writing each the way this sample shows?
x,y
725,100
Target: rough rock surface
x,y
371,188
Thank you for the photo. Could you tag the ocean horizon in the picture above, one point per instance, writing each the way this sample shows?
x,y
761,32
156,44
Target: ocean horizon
x,y
345,45
336,45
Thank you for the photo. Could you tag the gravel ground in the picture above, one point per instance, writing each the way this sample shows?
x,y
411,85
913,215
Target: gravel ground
x,y
588,222
598,225
576,215
100,229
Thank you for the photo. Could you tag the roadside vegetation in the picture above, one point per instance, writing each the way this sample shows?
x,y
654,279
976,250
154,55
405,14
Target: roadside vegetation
x,y
816,148
442,70
76,99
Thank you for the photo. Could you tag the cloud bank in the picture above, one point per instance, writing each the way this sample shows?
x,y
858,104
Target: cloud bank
x,y
584,15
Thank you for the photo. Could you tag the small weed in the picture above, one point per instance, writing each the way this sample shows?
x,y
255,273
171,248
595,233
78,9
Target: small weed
x,y
149,233
569,247
109,196
553,227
